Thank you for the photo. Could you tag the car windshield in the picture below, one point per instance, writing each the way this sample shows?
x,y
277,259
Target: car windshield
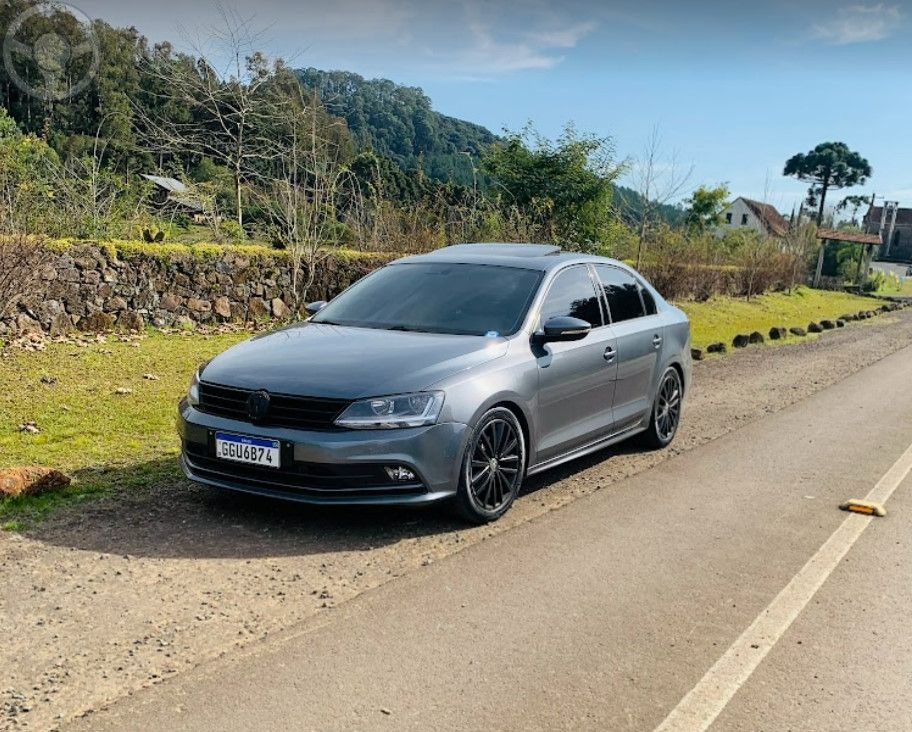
x,y
463,299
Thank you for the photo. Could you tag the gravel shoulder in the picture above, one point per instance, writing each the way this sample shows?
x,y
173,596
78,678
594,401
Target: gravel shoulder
x,y
118,593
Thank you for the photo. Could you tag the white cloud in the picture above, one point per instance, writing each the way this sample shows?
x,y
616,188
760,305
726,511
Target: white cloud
x,y
497,46
859,24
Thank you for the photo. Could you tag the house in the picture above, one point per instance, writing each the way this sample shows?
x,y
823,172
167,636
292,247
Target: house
x,y
894,224
746,213
173,196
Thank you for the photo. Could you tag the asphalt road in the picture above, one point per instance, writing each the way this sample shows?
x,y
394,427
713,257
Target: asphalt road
x,y
898,269
721,588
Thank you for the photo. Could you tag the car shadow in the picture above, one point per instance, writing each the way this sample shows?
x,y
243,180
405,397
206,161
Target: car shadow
x,y
151,510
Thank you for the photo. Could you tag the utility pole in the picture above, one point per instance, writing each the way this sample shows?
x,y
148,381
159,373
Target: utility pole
x,y
893,207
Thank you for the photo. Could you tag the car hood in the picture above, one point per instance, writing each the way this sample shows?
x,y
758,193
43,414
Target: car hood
x,y
313,359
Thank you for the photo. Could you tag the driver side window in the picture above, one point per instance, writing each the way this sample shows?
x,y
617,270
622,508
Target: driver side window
x,y
572,295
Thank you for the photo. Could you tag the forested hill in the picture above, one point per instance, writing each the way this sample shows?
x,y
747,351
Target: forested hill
x,y
398,121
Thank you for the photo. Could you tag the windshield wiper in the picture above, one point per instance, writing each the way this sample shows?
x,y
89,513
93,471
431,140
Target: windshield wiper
x,y
405,329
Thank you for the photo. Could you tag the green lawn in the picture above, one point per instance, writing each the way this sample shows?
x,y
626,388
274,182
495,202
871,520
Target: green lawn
x,y
128,440
87,429
720,319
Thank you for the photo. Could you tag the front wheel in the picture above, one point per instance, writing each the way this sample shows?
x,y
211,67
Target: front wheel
x,y
666,411
493,468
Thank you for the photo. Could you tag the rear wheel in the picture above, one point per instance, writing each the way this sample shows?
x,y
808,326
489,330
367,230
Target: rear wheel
x,y
666,411
493,468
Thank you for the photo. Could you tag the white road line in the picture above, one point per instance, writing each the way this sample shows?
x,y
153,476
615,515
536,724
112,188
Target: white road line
x,y
699,709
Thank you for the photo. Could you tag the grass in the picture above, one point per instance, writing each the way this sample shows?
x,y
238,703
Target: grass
x,y
87,429
129,441
720,319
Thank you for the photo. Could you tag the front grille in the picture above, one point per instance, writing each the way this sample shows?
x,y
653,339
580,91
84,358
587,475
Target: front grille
x,y
295,412
318,480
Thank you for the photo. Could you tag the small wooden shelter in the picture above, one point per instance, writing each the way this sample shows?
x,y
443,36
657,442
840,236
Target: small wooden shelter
x,y
852,237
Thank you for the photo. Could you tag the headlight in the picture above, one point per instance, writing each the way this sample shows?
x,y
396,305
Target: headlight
x,y
193,393
393,412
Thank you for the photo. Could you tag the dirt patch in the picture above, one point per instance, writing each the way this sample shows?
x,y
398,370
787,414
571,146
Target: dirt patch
x,y
118,593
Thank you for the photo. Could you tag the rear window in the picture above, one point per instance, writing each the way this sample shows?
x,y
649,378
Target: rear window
x,y
622,292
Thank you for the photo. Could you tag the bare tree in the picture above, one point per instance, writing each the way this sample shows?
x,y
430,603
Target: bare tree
x,y
305,184
657,183
226,107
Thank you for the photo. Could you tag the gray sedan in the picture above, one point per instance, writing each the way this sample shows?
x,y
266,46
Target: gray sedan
x,y
452,375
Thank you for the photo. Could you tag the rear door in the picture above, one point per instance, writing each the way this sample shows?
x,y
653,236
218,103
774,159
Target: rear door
x,y
576,380
639,334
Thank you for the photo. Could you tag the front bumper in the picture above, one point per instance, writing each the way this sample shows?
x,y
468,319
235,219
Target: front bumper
x,y
341,468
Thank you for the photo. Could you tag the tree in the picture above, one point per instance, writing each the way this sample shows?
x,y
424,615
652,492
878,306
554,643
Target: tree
x,y
565,185
227,109
830,165
705,207
656,183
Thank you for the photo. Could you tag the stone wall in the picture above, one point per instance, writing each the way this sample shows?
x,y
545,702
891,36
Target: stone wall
x,y
93,287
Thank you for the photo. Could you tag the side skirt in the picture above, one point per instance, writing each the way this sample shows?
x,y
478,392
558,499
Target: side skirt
x,y
579,452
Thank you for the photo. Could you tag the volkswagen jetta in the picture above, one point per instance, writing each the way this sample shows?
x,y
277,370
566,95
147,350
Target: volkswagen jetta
x,y
450,375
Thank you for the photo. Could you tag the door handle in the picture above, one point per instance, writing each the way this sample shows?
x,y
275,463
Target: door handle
x,y
609,355
657,341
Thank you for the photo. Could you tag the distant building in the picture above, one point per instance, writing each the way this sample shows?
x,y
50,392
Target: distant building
x,y
746,213
173,196
894,224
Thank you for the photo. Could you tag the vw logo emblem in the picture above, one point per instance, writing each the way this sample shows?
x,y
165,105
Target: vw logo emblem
x,y
258,405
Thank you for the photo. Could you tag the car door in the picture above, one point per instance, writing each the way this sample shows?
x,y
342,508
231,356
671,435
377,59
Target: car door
x,y
576,380
639,335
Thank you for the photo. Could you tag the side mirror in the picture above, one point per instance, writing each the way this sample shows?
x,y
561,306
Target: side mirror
x,y
562,330
316,307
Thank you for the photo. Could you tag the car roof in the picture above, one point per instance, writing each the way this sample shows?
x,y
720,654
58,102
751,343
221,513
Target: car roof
x,y
542,257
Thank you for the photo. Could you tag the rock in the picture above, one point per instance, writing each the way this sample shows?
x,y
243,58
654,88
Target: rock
x,y
696,354
756,338
800,332
280,310
199,306
840,323
30,428
828,325
815,328
49,380
150,377
26,325
131,320
116,304
222,307
31,481
123,391
97,322
717,348
847,318
61,325
170,302
741,341
257,308
777,333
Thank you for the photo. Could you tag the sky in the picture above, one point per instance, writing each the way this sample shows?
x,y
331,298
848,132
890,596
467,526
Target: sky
x,y
730,91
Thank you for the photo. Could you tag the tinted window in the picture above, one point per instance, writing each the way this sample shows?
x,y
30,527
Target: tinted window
x,y
466,299
622,293
649,301
572,295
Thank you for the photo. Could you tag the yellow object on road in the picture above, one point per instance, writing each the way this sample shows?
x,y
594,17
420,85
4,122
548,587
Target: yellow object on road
x,y
865,507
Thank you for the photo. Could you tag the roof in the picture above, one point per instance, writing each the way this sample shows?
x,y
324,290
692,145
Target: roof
x,y
172,185
773,221
540,257
903,216
854,237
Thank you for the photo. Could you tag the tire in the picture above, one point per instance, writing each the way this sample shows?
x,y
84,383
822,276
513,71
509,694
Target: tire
x,y
666,412
493,467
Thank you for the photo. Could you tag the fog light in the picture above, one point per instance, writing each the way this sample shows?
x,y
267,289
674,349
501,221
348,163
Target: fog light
x,y
400,474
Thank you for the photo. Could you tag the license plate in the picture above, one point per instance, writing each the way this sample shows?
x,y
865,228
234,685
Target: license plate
x,y
250,450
